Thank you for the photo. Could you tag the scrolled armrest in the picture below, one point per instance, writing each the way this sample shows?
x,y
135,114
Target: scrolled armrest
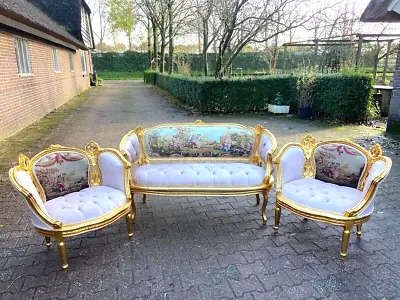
x,y
114,169
289,164
378,172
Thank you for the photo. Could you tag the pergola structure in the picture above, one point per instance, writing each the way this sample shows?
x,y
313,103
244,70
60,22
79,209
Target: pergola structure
x,y
354,41
388,11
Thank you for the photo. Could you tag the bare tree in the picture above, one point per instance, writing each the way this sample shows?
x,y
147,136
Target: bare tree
x,y
209,27
244,22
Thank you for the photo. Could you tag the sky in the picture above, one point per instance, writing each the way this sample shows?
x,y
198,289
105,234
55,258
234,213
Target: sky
x,y
300,34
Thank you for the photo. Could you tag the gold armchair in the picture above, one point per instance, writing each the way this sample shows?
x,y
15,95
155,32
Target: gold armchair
x,y
71,191
333,181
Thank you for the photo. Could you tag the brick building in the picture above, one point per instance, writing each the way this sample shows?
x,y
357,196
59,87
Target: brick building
x,y
45,58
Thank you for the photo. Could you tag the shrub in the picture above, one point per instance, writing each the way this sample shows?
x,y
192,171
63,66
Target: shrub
x,y
149,76
343,96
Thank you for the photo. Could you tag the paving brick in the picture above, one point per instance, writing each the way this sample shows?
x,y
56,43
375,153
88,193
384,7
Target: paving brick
x,y
251,284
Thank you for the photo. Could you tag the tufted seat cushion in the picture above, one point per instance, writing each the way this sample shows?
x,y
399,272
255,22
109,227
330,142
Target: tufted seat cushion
x,y
89,203
198,174
328,197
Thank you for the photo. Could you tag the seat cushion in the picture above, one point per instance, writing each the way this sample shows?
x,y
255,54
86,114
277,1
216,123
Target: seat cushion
x,y
199,174
319,195
87,204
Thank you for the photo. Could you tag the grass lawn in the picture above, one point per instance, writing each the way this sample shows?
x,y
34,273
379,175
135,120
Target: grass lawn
x,y
120,75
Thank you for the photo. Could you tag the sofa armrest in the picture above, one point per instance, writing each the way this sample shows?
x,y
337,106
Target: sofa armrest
x,y
114,170
378,172
289,164
130,146
22,181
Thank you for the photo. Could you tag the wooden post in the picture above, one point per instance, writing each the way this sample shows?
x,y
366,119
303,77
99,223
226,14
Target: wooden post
x,y
386,61
360,41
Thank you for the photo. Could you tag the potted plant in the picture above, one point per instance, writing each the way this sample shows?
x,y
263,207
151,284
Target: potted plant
x,y
277,107
305,89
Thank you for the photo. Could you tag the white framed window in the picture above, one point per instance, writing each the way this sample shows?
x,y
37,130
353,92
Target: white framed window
x,y
56,62
71,62
83,62
23,57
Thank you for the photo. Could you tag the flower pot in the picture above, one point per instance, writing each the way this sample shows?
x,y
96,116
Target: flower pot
x,y
304,112
278,109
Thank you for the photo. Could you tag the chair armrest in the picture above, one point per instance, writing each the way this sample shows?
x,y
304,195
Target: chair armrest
x,y
22,181
378,172
130,146
269,164
115,170
289,164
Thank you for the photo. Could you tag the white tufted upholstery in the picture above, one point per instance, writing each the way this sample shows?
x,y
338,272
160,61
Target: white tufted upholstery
x,y
291,164
112,171
132,147
89,203
198,174
265,145
318,195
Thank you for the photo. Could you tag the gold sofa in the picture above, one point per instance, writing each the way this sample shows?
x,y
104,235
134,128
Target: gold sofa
x,y
71,191
333,181
197,159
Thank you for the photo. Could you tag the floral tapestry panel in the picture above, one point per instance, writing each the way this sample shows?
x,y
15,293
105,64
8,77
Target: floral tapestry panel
x,y
339,164
61,173
201,141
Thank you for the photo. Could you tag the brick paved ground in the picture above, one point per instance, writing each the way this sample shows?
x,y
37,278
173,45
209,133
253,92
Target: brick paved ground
x,y
197,248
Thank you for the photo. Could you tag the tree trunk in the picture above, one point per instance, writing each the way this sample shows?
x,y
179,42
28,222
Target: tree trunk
x,y
205,43
375,66
130,42
155,46
171,40
162,56
394,108
149,43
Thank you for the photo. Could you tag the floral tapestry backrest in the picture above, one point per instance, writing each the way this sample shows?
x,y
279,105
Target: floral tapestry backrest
x,y
199,141
61,173
339,164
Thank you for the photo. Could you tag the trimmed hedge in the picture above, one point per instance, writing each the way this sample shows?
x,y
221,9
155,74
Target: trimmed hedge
x,y
210,95
342,96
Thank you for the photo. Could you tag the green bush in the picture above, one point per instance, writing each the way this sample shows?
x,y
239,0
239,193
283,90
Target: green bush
x,y
149,76
120,75
342,96
120,62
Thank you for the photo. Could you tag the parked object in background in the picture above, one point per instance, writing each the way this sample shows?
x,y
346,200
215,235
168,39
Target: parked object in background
x,y
383,94
71,191
277,107
198,159
333,181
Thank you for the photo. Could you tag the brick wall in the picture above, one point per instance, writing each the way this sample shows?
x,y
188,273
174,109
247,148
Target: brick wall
x,y
25,99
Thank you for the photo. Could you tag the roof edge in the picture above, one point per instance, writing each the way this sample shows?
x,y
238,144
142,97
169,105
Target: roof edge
x,y
18,22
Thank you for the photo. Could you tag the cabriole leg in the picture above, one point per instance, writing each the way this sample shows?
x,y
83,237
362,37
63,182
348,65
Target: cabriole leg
x,y
263,208
144,198
359,229
133,205
128,218
48,241
62,251
345,240
277,216
258,199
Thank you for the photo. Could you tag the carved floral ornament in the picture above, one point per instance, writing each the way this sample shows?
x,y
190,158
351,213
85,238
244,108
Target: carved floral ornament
x,y
308,143
376,151
24,162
